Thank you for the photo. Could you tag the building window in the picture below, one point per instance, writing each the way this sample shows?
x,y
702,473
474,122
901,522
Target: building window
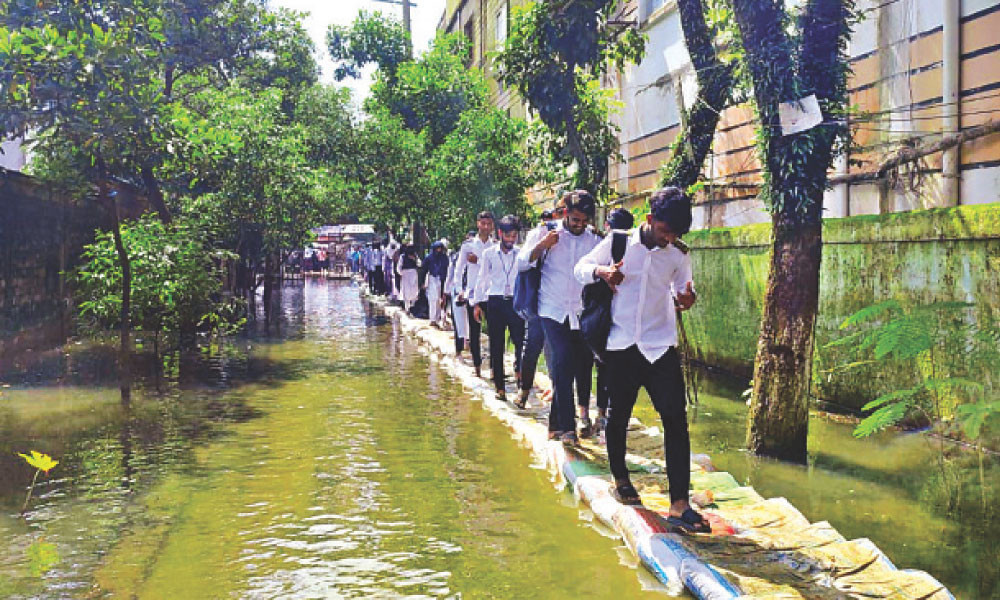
x,y
470,36
501,26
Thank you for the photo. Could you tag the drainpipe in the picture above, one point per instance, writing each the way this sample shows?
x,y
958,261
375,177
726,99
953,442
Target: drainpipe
x,y
950,82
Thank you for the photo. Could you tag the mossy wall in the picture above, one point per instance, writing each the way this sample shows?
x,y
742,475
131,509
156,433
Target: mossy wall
x,y
917,257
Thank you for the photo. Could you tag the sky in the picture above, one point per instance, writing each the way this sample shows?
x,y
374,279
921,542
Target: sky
x,y
425,16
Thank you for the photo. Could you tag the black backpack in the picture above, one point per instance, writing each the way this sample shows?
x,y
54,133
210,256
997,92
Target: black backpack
x,y
595,320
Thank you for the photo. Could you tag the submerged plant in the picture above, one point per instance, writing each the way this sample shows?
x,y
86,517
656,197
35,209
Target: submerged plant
x,y
41,462
889,331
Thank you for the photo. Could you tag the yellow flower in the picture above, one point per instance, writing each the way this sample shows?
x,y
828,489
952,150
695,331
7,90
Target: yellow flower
x,y
40,461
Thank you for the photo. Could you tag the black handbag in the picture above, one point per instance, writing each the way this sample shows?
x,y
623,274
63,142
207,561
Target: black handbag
x,y
595,320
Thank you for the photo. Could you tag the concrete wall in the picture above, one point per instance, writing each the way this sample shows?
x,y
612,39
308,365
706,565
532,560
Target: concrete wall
x,y
918,257
41,236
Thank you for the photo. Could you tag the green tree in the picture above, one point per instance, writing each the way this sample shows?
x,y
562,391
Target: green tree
x,y
480,166
554,56
788,61
176,280
372,38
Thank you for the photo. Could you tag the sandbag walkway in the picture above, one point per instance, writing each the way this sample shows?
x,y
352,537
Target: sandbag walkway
x,y
758,548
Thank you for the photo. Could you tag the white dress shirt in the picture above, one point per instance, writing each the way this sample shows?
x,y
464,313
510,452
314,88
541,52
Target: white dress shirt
x,y
559,296
475,246
497,273
642,310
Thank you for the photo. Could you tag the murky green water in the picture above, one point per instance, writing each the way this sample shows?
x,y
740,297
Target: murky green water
x,y
331,459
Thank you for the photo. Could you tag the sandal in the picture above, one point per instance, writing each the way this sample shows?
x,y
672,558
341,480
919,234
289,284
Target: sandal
x,y
522,400
690,522
586,427
569,439
626,494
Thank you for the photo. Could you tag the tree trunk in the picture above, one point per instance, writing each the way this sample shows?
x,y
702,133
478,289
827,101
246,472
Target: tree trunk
x,y
155,195
125,316
796,166
779,415
268,287
715,82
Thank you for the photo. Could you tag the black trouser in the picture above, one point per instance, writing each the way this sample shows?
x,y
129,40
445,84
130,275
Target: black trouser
x,y
379,281
503,319
474,331
628,370
603,391
371,281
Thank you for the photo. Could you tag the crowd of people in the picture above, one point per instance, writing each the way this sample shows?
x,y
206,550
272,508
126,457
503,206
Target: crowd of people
x,y
486,278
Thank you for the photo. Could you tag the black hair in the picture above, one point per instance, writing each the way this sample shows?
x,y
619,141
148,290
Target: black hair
x,y
580,200
485,215
546,215
509,223
621,218
671,206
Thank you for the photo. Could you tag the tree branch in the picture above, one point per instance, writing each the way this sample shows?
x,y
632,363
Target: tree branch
x,y
908,155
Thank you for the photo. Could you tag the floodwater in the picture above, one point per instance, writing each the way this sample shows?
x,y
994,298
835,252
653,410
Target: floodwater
x,y
330,458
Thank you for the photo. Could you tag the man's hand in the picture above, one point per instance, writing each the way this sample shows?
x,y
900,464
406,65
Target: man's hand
x,y
472,257
611,275
550,239
477,313
685,299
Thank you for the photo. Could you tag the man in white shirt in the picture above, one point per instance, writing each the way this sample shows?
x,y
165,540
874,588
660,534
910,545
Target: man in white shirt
x,y
468,268
453,287
534,336
651,283
559,306
495,287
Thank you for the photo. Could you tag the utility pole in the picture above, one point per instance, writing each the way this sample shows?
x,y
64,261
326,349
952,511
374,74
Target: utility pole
x,y
406,16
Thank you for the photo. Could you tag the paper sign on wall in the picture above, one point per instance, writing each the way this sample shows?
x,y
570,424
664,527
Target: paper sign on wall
x,y
799,115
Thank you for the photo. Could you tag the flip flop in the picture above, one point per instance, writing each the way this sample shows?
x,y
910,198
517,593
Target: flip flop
x,y
690,522
627,495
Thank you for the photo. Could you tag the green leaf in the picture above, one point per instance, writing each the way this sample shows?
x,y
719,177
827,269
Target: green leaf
x,y
892,397
869,313
974,415
882,418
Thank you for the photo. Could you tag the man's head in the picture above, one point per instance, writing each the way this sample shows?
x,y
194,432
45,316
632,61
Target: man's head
x,y
559,209
580,208
546,215
669,215
508,228
484,224
620,219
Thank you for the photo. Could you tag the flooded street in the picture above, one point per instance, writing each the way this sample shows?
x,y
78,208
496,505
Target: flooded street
x,y
332,459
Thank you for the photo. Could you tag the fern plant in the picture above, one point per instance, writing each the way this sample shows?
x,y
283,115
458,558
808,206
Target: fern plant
x,y
889,331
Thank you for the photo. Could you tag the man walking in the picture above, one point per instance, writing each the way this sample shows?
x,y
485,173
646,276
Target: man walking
x,y
495,287
559,306
651,283
436,265
468,267
453,287
619,219
534,337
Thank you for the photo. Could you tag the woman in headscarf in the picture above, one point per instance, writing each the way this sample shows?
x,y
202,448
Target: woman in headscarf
x,y
409,284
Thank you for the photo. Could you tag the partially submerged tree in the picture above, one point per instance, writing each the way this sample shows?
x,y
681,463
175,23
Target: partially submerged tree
x,y
787,68
554,55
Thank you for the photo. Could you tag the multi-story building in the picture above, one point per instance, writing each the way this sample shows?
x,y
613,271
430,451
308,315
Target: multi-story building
x,y
921,69
485,24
